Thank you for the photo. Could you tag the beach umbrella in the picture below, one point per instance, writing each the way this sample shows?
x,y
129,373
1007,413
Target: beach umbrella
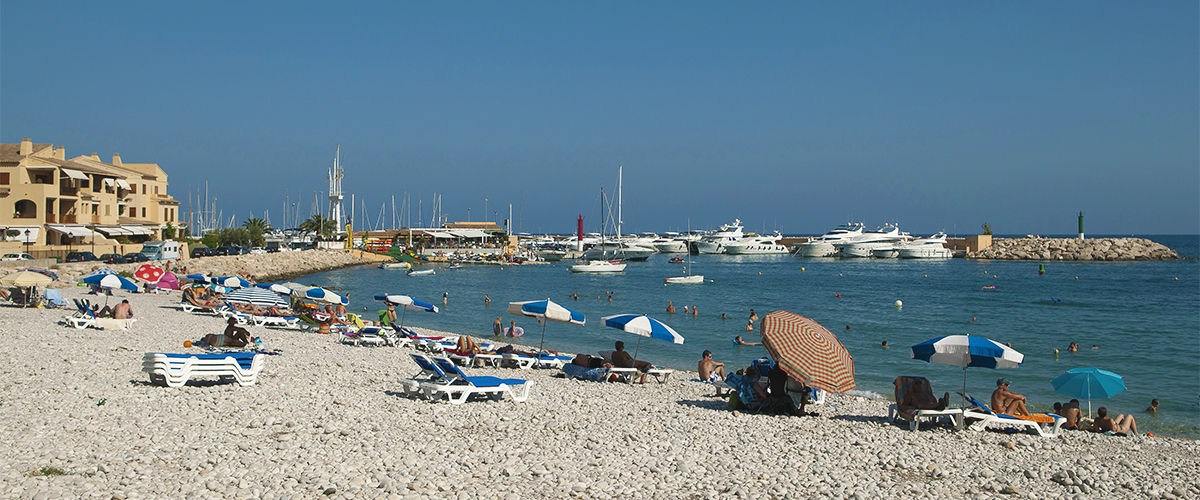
x,y
198,278
110,281
543,311
808,352
168,281
53,275
320,295
406,303
642,326
231,282
258,297
99,272
967,351
1089,383
26,279
275,287
148,273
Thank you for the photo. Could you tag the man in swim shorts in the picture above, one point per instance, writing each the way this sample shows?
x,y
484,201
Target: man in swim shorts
x,y
710,371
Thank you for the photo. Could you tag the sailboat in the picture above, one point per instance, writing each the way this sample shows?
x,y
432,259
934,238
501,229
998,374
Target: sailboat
x,y
617,249
598,265
688,277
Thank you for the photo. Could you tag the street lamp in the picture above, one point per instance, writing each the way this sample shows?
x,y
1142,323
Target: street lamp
x,y
485,209
26,241
93,239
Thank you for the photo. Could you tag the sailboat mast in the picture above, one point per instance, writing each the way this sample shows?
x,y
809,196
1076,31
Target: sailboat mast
x,y
619,203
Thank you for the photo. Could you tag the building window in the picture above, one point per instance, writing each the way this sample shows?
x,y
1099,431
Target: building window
x,y
107,209
4,179
143,189
143,208
155,189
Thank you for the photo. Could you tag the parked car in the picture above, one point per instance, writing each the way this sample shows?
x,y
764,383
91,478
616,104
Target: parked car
x,y
136,257
80,257
16,256
225,251
113,258
258,251
202,252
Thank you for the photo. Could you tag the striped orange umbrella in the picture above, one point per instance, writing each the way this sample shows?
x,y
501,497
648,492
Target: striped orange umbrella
x,y
808,351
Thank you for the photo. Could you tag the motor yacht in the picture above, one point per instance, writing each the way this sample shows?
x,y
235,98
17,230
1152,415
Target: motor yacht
x,y
670,243
933,247
823,246
885,237
715,242
757,245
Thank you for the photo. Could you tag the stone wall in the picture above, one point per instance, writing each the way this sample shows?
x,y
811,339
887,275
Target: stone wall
x,y
1056,249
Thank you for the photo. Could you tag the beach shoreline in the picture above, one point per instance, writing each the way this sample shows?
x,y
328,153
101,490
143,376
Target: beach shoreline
x,y
328,419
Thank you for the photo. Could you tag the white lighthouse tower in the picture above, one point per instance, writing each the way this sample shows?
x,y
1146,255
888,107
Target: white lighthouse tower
x,y
336,213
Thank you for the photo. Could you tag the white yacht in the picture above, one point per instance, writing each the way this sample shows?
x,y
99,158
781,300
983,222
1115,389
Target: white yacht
x,y
933,247
823,246
616,249
670,243
598,266
757,245
715,243
885,237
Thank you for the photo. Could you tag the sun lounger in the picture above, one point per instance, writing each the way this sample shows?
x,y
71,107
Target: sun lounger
x,y
904,385
85,316
629,374
1046,425
429,373
458,387
53,298
363,336
276,321
468,359
175,370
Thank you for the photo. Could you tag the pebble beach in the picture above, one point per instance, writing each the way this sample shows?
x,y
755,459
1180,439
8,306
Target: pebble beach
x,y
329,420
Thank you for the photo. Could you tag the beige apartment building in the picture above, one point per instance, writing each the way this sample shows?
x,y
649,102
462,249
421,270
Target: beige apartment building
x,y
51,201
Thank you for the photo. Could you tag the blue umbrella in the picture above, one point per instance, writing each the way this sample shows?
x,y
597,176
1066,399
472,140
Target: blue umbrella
x,y
231,282
1089,383
406,303
967,351
320,295
259,297
643,326
198,278
110,281
546,310
99,272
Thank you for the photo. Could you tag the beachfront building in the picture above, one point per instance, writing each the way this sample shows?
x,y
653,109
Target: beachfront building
x,y
48,201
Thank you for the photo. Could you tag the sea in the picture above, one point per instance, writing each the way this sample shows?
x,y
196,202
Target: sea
x,y
1138,319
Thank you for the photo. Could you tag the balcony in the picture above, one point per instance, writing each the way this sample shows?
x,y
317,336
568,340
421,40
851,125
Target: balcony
x,y
68,191
95,219
50,219
68,219
29,215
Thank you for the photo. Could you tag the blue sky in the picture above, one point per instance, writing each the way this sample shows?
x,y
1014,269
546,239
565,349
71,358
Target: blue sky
x,y
796,116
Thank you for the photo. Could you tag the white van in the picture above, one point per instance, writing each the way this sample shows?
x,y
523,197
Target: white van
x,y
161,250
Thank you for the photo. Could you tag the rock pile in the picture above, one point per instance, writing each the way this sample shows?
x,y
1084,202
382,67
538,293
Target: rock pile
x,y
1102,249
264,267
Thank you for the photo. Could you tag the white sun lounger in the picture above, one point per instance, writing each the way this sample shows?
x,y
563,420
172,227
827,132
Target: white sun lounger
x,y
175,370
989,418
457,387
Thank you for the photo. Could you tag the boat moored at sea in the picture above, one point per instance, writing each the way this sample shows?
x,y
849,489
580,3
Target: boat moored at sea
x,y
757,245
395,265
598,266
824,245
885,237
726,234
933,247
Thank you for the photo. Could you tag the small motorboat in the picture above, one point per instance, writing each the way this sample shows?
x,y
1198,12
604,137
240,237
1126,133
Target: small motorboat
x,y
454,266
676,260
421,272
598,266
395,265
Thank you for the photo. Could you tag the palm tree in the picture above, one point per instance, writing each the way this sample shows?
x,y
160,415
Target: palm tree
x,y
318,224
256,225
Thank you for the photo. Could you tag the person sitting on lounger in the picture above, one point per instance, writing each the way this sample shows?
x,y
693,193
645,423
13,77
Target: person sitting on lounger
x,y
622,359
710,371
1008,402
121,311
920,398
1123,424
234,336
777,382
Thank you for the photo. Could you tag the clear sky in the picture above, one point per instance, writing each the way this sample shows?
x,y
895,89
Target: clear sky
x,y
793,115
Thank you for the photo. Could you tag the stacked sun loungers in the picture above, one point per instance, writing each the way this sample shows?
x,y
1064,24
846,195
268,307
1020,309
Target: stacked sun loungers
x,y
176,369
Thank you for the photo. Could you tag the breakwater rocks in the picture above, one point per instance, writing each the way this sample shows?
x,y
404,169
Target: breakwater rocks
x,y
1064,249
264,267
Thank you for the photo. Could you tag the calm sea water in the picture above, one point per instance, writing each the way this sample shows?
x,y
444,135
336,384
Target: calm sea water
x,y
1144,317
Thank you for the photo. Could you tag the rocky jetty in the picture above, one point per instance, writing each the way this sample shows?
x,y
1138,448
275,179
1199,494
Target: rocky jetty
x,y
264,267
1099,249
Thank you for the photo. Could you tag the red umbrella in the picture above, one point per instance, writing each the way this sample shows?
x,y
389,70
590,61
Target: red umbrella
x,y
808,351
149,273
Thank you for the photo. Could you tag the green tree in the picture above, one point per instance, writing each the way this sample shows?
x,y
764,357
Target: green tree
x,y
169,232
987,229
235,236
320,225
257,227
211,240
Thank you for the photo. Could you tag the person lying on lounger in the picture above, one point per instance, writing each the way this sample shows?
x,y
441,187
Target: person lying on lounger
x,y
467,345
920,398
599,374
234,336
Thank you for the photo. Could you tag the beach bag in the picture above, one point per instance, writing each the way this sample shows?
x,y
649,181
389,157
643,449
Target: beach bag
x,y
594,362
734,402
502,350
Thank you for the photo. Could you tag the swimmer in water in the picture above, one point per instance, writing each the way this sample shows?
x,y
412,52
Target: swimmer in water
x,y
884,345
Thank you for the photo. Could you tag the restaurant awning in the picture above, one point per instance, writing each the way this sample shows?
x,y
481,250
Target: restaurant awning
x,y
73,231
114,231
33,233
74,174
138,229
124,185
469,233
439,234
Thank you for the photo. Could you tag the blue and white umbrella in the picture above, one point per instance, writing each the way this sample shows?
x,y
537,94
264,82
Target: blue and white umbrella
x,y
643,326
967,351
198,278
110,281
231,282
275,287
546,310
1089,383
99,272
258,297
320,295
406,303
